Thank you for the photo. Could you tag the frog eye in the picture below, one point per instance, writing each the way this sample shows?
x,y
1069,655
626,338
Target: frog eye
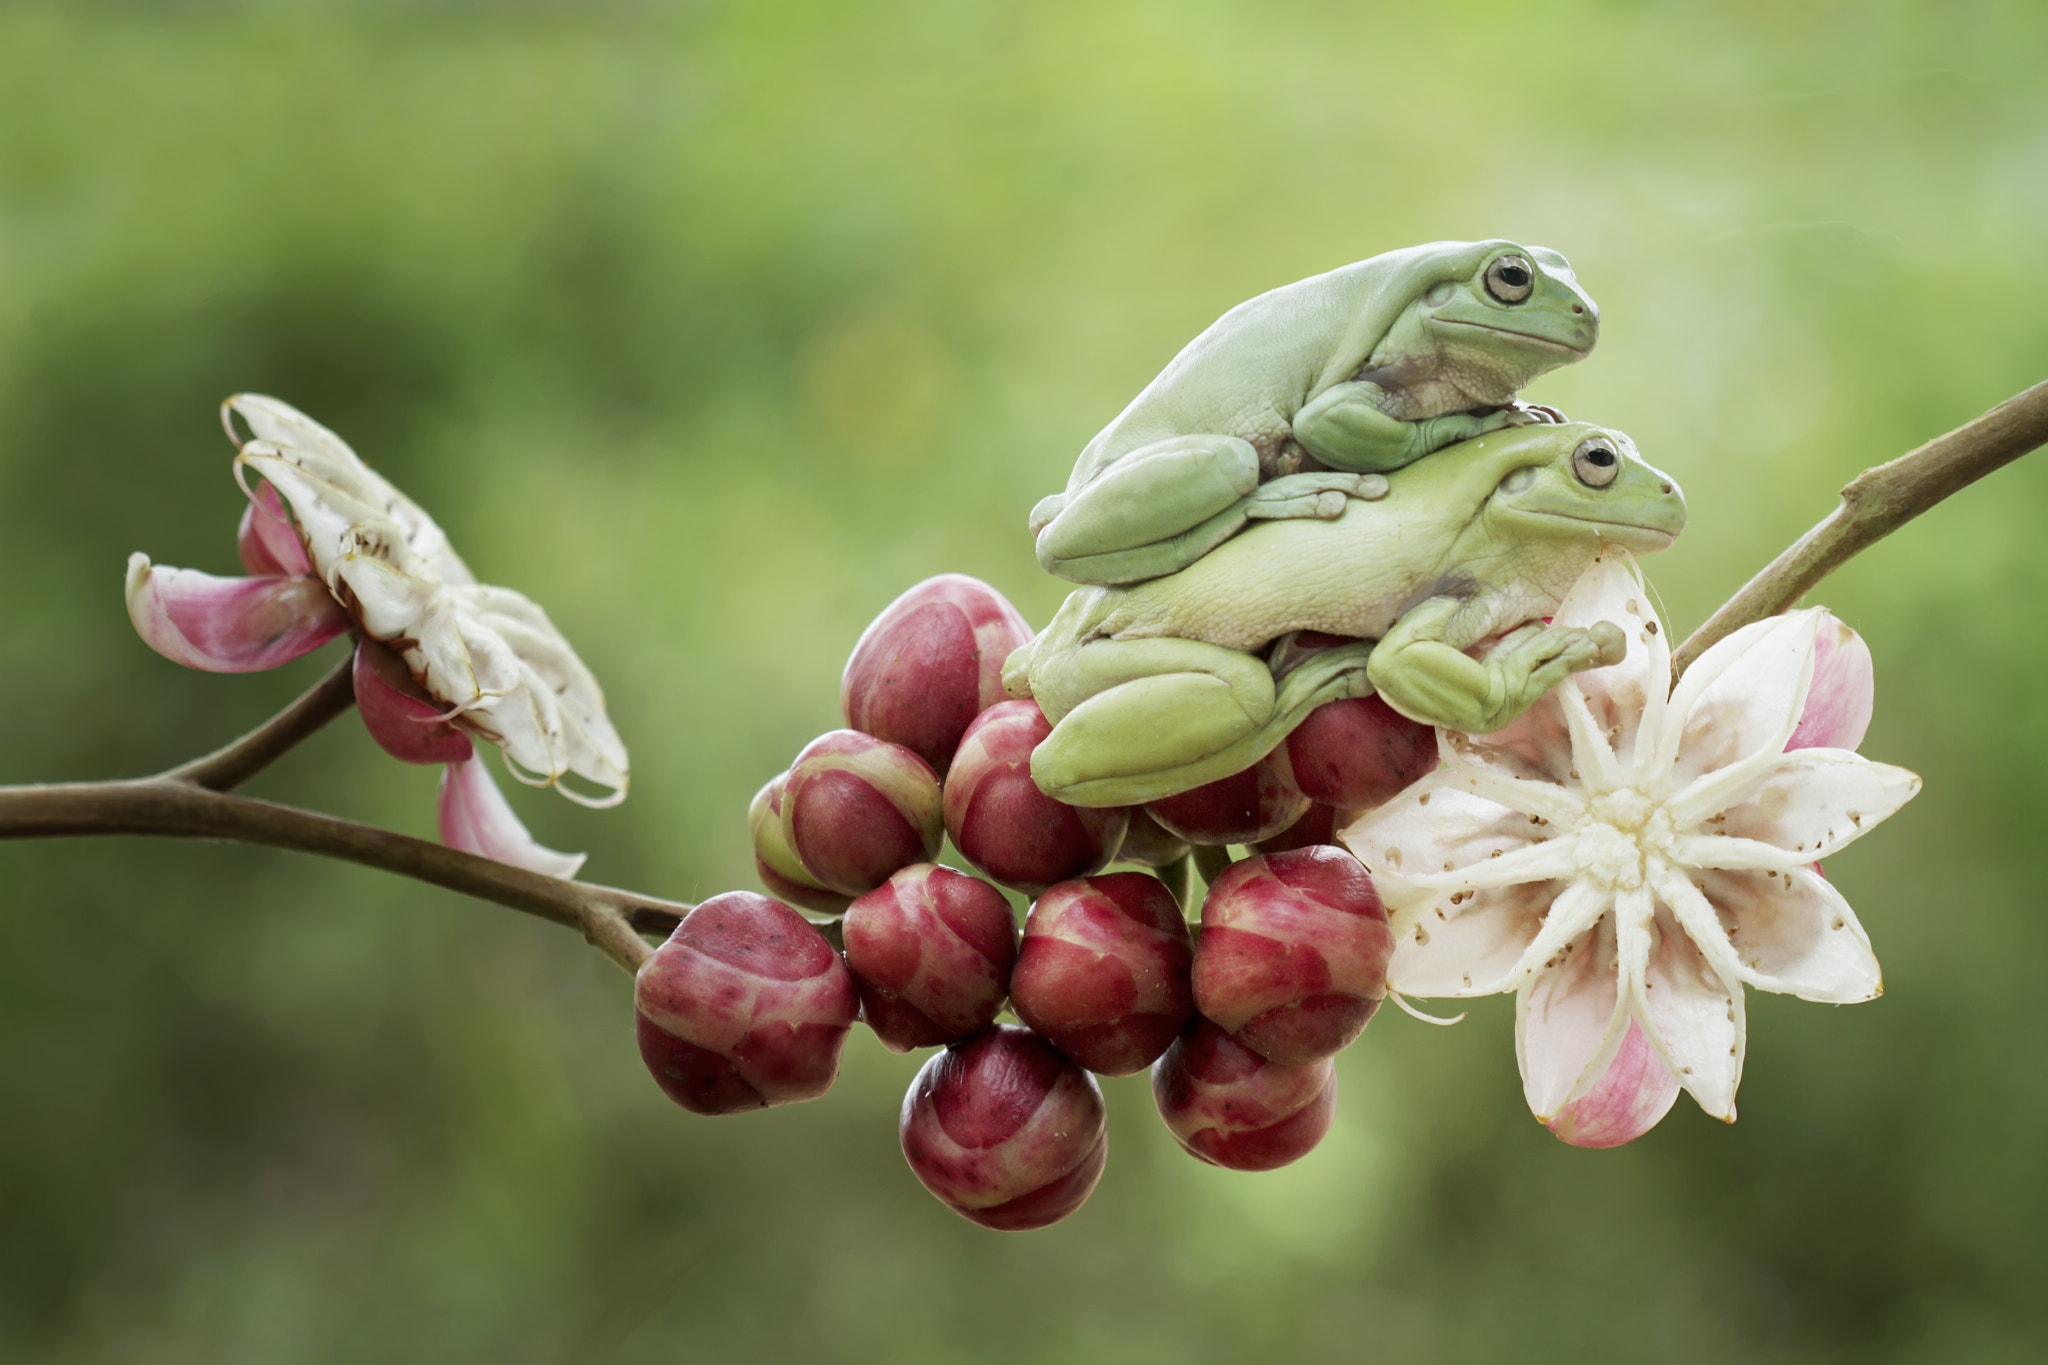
x,y
1511,278
1596,462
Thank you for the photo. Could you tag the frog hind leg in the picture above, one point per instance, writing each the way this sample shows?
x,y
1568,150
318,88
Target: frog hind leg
x,y
1171,715
1156,510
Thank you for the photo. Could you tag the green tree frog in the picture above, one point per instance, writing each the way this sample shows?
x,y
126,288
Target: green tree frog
x,y
1276,410
1160,686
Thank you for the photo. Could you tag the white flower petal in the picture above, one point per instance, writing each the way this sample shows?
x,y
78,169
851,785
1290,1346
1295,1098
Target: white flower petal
x,y
1794,934
1694,1017
1435,826
1812,801
1576,909
1569,1022
1469,942
1741,699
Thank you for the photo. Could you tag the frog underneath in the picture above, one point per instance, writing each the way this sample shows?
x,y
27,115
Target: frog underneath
x,y
1162,686
1281,404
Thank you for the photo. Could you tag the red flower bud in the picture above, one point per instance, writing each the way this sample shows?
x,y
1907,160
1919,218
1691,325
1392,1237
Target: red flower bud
x,y
776,863
1002,823
855,809
1243,808
1228,1106
1293,956
745,1006
931,951
1103,973
1318,826
929,664
1356,753
1004,1130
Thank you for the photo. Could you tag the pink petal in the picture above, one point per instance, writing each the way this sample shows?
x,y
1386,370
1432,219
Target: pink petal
x,y
1838,703
229,625
1566,1018
405,722
1635,1092
266,539
476,818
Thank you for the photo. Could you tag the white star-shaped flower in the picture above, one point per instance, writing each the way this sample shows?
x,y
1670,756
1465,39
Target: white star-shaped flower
x,y
1626,857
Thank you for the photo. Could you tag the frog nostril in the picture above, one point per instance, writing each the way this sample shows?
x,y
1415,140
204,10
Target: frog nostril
x,y
1667,488
1577,309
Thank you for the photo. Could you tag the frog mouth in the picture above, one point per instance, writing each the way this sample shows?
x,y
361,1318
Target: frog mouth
x,y
1562,347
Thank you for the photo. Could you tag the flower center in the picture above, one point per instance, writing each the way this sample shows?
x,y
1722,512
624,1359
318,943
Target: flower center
x,y
1622,831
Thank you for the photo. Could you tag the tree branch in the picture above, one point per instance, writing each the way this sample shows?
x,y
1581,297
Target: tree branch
x,y
1877,502
610,919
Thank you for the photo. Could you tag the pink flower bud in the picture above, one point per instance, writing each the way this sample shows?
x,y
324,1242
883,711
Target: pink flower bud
x,y
1228,1106
1838,702
1293,956
475,817
1005,1131
1001,822
745,1006
856,808
929,664
406,722
1318,825
266,539
1148,845
1356,753
1103,973
776,863
1243,808
931,951
229,625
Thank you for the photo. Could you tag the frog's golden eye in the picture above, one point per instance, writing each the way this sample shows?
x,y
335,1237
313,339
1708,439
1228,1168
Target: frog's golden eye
x,y
1511,278
1596,462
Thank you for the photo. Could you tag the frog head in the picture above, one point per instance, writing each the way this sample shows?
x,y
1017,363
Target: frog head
x,y
1480,321
1572,482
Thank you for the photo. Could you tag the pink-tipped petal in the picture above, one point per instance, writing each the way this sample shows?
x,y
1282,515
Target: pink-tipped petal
x,y
400,716
1565,1018
1635,1092
476,818
229,625
1838,704
266,539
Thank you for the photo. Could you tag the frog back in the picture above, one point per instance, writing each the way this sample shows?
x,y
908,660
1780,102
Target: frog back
x,y
1252,369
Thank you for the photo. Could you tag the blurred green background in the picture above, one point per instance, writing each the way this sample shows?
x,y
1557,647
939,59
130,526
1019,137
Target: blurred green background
x,y
714,326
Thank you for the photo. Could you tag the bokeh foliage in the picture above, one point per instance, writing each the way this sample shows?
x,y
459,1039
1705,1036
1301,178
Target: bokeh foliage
x,y
714,326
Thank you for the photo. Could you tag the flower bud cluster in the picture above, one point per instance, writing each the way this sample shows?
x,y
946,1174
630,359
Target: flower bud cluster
x,y
747,1005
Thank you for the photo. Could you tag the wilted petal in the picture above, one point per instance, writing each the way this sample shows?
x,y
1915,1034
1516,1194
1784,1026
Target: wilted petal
x,y
267,540
476,818
1569,1019
1794,934
1694,1017
1631,1096
1838,704
1810,804
1740,700
228,625
405,722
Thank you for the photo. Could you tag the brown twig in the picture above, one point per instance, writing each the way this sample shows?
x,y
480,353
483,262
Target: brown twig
x,y
1877,502
609,918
